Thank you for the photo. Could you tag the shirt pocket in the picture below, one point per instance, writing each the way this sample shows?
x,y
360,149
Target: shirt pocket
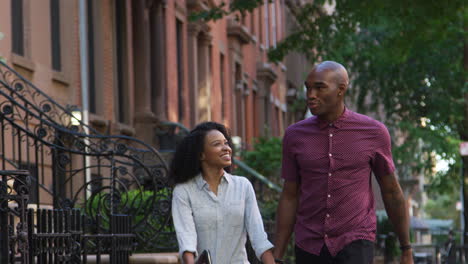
x,y
235,213
204,217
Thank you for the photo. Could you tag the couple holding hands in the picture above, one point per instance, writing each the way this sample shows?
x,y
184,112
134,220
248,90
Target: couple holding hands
x,y
327,198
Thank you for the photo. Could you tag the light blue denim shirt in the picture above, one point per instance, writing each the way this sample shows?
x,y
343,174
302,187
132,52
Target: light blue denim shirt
x,y
219,223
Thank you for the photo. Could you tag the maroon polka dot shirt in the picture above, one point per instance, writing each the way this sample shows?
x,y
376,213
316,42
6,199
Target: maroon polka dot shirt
x,y
333,162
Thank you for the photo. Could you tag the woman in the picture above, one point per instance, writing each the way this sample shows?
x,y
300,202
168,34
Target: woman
x,y
211,208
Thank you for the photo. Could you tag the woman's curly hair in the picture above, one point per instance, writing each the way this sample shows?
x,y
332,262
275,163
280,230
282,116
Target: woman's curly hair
x,y
186,163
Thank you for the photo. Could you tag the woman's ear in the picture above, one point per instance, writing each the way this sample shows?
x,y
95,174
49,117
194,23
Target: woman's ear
x,y
202,156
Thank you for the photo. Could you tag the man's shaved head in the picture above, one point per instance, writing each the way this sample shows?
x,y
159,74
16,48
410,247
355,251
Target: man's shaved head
x,y
326,86
341,75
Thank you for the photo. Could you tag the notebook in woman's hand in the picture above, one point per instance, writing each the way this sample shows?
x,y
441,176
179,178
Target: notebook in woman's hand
x,y
204,258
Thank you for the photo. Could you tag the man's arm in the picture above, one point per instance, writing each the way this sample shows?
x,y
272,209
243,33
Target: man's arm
x,y
285,217
397,211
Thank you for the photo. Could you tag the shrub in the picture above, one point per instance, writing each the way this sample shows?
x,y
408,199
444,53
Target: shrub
x,y
265,157
149,215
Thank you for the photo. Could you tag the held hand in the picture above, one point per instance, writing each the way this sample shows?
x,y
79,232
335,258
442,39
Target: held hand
x,y
407,257
188,257
267,257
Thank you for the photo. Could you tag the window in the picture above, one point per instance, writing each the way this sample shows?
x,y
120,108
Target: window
x,y
157,62
55,35
222,76
121,41
273,24
180,69
239,102
255,111
280,19
266,111
276,121
252,23
91,58
17,27
266,23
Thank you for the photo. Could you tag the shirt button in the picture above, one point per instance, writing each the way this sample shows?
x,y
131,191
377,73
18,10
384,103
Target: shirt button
x,y
329,174
330,124
331,135
326,235
329,196
328,215
329,154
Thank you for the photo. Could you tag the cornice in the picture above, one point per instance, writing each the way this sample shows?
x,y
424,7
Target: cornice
x,y
237,30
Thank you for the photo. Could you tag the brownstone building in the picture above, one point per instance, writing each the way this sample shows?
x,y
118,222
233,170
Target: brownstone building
x,y
145,62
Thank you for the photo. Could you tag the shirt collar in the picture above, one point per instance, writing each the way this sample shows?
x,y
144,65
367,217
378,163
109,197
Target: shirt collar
x,y
338,123
201,182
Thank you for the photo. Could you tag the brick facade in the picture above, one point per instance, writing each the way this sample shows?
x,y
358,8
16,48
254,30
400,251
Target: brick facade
x,y
150,64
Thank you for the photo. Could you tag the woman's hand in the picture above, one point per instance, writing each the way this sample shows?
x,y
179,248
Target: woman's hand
x,y
188,257
267,257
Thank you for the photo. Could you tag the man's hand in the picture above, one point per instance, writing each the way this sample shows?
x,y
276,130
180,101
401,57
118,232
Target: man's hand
x,y
406,257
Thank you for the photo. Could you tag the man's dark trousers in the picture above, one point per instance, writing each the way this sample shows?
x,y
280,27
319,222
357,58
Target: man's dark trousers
x,y
357,252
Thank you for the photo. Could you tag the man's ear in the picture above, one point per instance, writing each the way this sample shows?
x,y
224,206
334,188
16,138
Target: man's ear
x,y
342,88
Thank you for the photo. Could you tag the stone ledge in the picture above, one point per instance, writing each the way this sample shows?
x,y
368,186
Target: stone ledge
x,y
143,258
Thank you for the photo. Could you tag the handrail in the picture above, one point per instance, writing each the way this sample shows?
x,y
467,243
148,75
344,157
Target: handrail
x,y
129,176
238,162
257,175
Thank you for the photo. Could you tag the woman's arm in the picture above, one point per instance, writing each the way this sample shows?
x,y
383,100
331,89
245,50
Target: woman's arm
x,y
184,223
268,258
188,257
254,226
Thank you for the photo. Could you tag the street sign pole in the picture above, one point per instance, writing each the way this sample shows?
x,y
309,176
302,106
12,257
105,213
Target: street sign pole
x,y
462,211
463,153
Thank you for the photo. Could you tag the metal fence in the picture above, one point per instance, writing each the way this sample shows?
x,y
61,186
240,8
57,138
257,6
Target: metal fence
x,y
55,235
71,167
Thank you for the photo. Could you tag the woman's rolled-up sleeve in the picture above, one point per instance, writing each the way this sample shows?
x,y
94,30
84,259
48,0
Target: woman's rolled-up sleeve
x,y
183,221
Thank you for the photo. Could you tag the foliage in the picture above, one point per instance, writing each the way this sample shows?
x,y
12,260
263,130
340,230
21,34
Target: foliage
x,y
385,232
405,59
221,10
393,64
443,207
140,205
265,157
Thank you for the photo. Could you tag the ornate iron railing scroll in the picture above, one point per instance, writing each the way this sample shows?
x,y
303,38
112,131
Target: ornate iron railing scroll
x,y
74,166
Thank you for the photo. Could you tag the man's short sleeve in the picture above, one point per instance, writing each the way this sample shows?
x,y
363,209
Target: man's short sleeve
x,y
289,169
382,162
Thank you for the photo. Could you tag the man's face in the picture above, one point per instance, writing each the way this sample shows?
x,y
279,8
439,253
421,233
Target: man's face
x,y
323,92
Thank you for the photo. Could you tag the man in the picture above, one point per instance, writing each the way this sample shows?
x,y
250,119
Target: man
x,y
327,195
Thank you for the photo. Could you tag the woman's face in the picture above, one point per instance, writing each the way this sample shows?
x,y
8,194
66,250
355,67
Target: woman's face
x,y
216,151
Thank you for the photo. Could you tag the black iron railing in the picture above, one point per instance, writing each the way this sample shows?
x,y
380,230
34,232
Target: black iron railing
x,y
72,166
14,242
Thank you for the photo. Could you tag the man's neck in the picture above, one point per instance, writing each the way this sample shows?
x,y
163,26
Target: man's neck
x,y
332,117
